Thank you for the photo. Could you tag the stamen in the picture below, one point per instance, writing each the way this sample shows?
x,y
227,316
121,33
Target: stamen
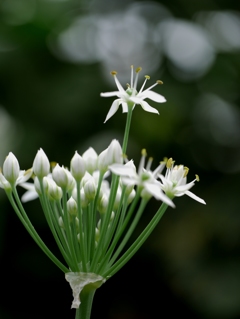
x,y
186,170
159,82
142,161
113,73
136,78
128,85
131,76
144,152
149,163
170,162
52,165
138,69
197,178
147,77
164,161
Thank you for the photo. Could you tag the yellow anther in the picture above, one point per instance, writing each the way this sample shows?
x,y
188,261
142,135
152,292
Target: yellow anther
x,y
165,159
170,162
132,66
197,178
128,85
186,170
159,82
113,73
147,77
53,164
138,69
144,152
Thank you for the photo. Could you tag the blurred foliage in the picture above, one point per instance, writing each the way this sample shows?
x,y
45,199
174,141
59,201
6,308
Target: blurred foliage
x,y
55,58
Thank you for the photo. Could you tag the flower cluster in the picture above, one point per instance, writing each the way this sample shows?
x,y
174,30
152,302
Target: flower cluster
x,y
93,208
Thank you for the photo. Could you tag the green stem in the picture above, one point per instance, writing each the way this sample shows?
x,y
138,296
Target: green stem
x,y
84,310
127,129
31,230
138,242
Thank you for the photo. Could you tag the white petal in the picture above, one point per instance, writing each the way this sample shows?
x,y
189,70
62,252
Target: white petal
x,y
184,188
29,195
4,183
24,176
152,96
124,107
156,191
113,109
109,94
123,170
193,196
148,108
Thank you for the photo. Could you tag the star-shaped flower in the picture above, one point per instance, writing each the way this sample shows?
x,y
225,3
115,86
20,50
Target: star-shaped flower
x,y
144,178
131,97
174,183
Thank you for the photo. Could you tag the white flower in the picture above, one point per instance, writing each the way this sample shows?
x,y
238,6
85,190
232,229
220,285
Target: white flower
x,y
90,157
144,178
130,97
12,175
174,183
78,167
41,165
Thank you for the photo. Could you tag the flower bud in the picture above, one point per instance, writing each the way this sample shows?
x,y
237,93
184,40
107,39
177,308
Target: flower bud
x,y
60,222
90,189
72,207
103,204
41,165
103,161
78,167
60,176
117,199
54,191
11,168
4,183
90,157
97,234
71,181
115,154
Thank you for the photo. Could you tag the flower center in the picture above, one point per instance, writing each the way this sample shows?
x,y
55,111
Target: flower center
x,y
131,91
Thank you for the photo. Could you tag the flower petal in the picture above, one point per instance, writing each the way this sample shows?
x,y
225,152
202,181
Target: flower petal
x,y
152,96
109,94
148,108
193,196
124,107
113,109
123,170
156,191
24,176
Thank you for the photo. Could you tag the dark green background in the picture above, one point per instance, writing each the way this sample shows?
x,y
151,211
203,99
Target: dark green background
x,y
192,260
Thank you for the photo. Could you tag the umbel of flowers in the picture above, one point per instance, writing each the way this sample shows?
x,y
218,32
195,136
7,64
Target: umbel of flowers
x,y
93,207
